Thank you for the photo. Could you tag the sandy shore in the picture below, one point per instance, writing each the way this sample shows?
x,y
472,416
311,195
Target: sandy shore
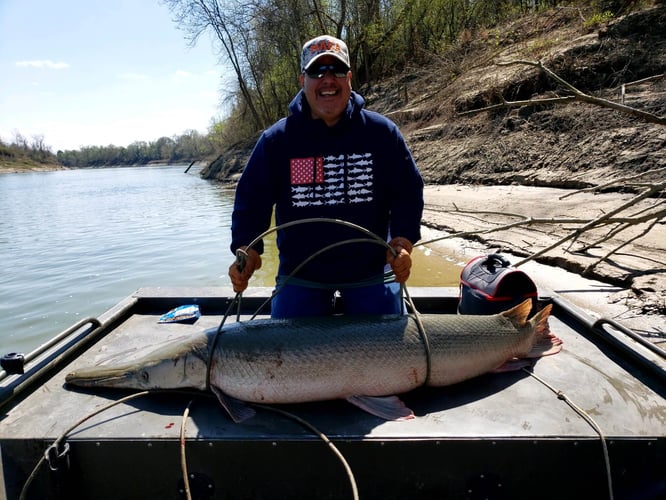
x,y
629,287
13,169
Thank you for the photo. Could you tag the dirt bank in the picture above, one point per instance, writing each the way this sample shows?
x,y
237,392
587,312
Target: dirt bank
x,y
7,167
571,145
515,159
629,286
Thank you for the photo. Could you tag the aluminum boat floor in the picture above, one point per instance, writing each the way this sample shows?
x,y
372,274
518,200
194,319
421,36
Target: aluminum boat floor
x,y
489,426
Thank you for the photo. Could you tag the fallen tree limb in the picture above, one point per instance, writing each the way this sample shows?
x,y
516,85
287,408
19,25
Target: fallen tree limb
x,y
576,234
644,80
577,96
623,224
615,181
616,223
519,104
589,268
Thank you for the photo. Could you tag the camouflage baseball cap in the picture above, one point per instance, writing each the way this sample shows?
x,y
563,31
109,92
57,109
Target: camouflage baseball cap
x,y
322,46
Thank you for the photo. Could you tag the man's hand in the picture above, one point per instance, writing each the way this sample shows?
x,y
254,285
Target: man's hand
x,y
247,262
402,262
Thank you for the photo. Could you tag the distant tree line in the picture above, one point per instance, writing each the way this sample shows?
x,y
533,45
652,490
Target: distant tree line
x,y
189,146
22,149
261,40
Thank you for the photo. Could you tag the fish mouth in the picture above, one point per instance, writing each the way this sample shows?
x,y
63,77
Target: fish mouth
x,y
98,377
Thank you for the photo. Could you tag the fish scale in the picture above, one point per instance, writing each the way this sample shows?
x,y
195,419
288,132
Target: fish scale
x,y
364,359
354,355
468,346
308,357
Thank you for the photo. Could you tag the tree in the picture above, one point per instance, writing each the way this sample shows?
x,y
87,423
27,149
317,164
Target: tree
x,y
230,25
164,148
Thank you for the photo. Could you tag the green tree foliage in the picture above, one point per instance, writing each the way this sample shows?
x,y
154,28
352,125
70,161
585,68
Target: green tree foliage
x,y
23,150
260,41
189,146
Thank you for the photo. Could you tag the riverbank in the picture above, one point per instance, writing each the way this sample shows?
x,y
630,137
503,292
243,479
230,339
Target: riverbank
x,y
12,167
630,286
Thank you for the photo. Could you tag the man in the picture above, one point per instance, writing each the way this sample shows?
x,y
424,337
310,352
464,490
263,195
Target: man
x,y
330,159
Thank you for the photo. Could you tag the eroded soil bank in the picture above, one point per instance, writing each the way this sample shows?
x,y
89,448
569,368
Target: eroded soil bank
x,y
516,160
628,286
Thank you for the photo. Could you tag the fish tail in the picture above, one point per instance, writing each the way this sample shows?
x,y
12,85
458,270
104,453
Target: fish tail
x,y
545,343
517,315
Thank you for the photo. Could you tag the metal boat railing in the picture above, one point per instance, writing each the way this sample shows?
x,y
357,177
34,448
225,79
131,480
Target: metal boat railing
x,y
630,333
55,352
644,353
46,346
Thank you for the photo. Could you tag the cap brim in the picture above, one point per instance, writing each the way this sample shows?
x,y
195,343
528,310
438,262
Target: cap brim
x,y
316,58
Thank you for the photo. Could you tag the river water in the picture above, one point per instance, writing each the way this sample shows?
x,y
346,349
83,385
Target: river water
x,y
75,242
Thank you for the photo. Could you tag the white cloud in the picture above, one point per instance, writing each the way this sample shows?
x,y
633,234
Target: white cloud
x,y
132,76
42,64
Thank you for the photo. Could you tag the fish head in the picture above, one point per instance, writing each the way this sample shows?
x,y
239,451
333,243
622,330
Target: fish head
x,y
176,365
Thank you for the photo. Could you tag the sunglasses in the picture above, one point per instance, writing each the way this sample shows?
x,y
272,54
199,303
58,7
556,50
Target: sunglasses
x,y
318,72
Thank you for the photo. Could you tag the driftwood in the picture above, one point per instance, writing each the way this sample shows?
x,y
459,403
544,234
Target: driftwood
x,y
655,214
614,221
620,224
577,95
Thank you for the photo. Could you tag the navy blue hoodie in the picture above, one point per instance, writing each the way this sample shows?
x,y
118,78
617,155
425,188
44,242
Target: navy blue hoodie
x,y
360,171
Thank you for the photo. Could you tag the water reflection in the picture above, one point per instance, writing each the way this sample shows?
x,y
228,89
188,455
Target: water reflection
x,y
432,264
76,242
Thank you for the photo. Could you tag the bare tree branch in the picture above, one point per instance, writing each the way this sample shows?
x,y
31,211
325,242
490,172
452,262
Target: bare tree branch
x,y
604,218
577,96
616,249
615,181
518,104
644,80
653,215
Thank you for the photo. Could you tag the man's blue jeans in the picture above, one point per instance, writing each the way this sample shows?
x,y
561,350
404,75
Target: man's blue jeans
x,y
296,300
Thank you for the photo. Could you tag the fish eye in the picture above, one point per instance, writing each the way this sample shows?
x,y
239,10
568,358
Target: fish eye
x,y
145,376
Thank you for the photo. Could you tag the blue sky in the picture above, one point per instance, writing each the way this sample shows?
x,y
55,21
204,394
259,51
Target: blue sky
x,y
94,73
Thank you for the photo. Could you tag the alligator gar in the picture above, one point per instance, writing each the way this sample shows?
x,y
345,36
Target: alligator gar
x,y
366,360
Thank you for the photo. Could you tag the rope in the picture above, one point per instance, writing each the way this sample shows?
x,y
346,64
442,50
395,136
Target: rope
x,y
183,458
422,333
209,362
55,444
583,414
182,441
323,437
387,277
315,219
372,238
284,280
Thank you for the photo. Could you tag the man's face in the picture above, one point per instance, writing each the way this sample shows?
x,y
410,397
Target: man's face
x,y
327,96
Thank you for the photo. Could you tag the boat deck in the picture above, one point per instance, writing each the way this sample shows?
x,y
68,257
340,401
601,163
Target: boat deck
x,y
590,416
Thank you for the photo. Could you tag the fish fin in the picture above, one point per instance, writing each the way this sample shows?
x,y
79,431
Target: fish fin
x,y
546,343
518,314
546,347
512,365
237,409
386,407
